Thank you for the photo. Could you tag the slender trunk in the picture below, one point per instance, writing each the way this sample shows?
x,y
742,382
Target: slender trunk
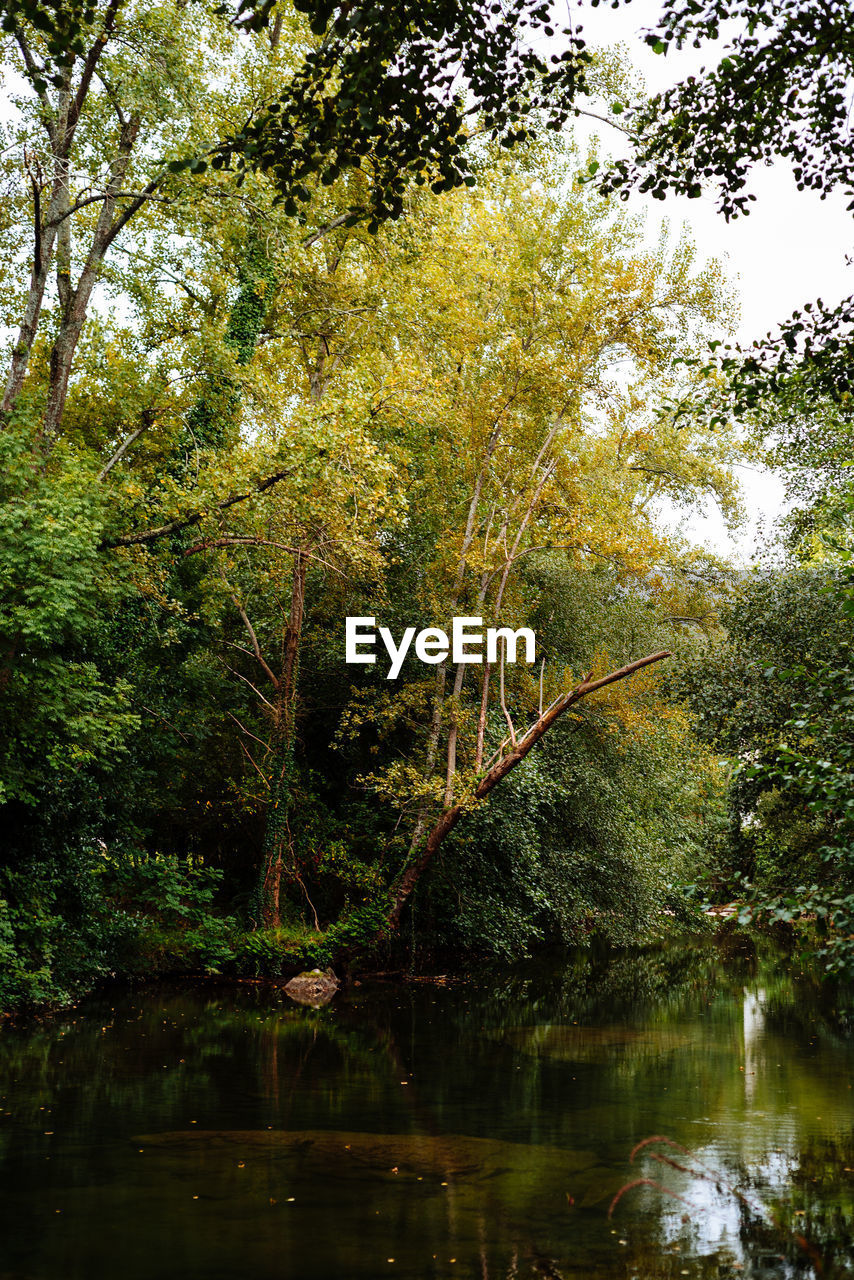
x,y
435,731
548,471
276,833
481,717
451,816
30,322
453,734
45,228
74,303
61,128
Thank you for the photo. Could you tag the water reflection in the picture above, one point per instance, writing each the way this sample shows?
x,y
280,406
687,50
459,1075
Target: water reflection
x,y
480,1129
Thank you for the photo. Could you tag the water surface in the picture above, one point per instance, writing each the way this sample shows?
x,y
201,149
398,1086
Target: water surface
x,y
470,1129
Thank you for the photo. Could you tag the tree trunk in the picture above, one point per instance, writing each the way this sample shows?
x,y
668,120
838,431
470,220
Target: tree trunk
x,y
45,230
276,832
60,124
74,303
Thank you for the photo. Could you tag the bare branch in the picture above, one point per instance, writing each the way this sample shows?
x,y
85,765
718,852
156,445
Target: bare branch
x,y
604,119
248,732
138,196
331,226
135,205
246,752
501,690
256,648
148,417
251,686
168,723
297,876
448,820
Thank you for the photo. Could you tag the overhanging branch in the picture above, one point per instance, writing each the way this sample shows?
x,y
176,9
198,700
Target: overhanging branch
x,y
187,522
451,816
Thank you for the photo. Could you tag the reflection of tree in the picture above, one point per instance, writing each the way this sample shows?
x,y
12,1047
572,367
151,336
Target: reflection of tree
x,y
768,1234
524,1091
820,1203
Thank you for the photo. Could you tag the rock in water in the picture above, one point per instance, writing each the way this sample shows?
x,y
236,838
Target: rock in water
x,y
316,987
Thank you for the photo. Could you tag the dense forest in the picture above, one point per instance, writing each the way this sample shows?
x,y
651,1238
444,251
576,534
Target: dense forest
x,y
335,310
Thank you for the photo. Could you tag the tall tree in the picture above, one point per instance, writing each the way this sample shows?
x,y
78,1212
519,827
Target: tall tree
x,y
378,88
526,302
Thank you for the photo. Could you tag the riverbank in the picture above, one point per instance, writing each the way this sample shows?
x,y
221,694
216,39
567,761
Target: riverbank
x,y
165,917
217,951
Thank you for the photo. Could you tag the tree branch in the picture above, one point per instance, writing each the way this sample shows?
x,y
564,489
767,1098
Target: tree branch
x,y
37,213
186,522
604,119
91,62
253,687
245,751
135,205
256,648
138,196
501,691
36,73
250,540
147,419
331,226
248,732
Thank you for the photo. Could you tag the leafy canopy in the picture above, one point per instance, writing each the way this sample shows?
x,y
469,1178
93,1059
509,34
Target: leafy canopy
x,y
395,87
781,90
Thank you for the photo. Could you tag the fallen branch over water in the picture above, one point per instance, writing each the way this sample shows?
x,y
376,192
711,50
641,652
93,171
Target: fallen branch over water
x,y
504,765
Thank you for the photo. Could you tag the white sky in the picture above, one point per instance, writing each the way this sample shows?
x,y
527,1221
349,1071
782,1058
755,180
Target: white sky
x,y
789,250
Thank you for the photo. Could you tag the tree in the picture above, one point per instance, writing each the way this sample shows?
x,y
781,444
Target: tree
x,y
86,146
378,87
288,417
448,395
121,102
781,627
398,89
815,764
593,835
776,698
388,87
780,90
61,714
526,301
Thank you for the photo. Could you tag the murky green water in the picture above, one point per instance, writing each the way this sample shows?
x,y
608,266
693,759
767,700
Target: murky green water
x,y
477,1130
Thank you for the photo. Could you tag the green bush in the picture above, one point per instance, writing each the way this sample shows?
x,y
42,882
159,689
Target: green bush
x,y
268,953
587,841
58,932
171,902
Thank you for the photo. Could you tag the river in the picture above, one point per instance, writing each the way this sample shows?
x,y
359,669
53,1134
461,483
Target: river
x,y
482,1128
